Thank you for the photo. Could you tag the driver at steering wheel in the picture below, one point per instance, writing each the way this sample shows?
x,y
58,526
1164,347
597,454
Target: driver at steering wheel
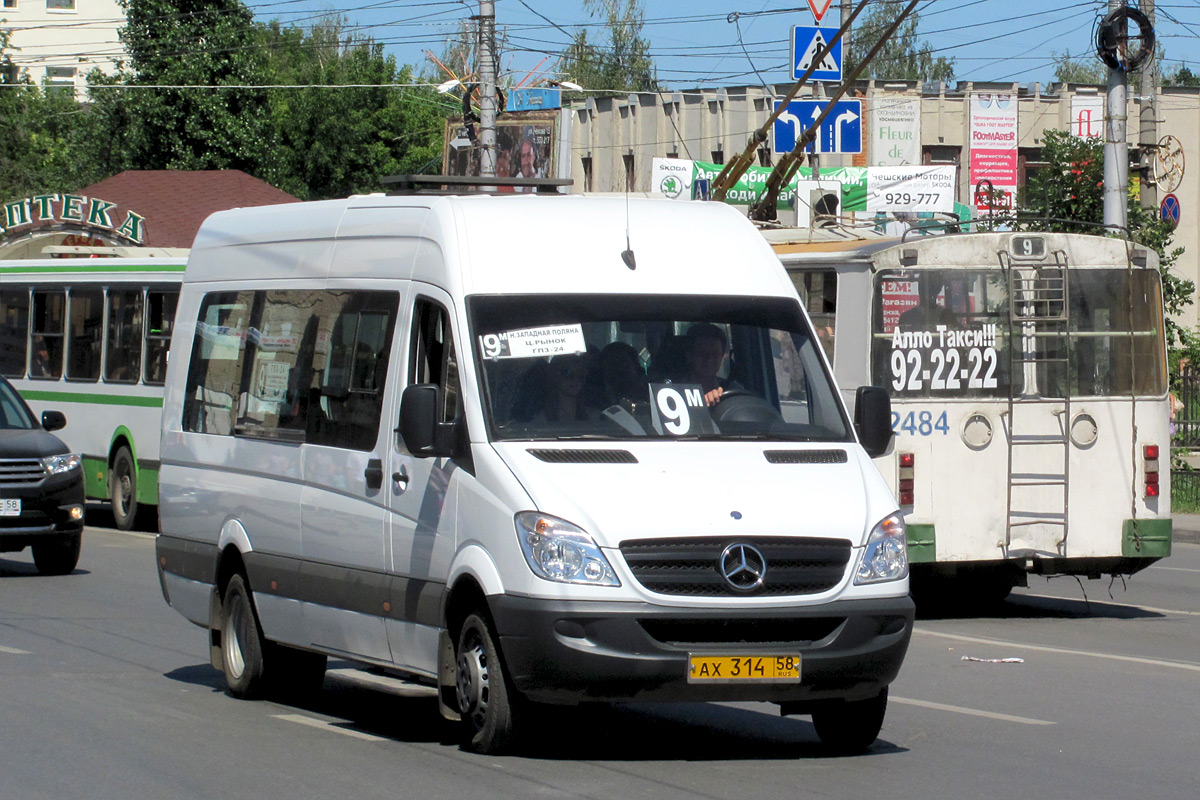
x,y
705,349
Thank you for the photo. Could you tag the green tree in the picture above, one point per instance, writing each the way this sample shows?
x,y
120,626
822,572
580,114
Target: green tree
x,y
186,43
903,57
620,64
1068,195
331,142
1071,70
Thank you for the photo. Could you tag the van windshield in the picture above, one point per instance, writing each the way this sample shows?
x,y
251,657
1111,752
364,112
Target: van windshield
x,y
651,367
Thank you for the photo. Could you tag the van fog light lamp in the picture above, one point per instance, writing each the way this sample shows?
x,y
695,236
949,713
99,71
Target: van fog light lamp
x,y
885,558
558,551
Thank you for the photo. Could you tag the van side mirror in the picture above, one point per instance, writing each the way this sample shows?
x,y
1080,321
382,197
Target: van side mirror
x,y
54,420
873,419
420,431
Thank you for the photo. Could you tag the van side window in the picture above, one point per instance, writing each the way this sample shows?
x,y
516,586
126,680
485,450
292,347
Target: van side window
x,y
86,332
353,345
14,330
215,374
49,312
433,356
123,357
280,342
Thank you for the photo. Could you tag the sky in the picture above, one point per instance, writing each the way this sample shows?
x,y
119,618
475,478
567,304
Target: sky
x,y
700,43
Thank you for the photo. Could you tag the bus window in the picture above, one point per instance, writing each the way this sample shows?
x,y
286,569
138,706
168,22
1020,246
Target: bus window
x,y
14,331
46,350
86,333
1112,353
123,353
819,291
160,321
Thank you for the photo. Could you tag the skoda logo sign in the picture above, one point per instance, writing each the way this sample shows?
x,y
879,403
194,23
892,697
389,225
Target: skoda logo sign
x,y
743,567
671,186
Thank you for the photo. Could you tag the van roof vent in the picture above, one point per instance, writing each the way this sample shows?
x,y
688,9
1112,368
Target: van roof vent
x,y
806,456
585,456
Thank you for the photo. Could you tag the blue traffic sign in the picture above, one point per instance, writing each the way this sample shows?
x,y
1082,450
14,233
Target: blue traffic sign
x,y
807,44
1170,209
841,132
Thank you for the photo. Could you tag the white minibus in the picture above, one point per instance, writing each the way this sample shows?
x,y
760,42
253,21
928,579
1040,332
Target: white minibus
x,y
528,450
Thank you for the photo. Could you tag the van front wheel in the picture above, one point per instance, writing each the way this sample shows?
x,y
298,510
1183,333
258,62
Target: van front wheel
x,y
484,696
242,645
849,727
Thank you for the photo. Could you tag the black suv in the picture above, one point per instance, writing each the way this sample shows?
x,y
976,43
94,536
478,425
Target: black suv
x,y
41,486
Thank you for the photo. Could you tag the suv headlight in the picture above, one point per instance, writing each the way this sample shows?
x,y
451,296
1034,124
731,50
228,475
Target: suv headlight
x,y
885,558
559,551
64,463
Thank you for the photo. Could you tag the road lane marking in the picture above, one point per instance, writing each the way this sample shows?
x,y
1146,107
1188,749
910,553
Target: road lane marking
x,y
333,727
1175,569
973,712
1111,603
1155,662
14,651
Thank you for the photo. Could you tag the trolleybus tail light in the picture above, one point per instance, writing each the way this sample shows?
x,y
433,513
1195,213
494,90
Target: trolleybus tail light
x,y
906,479
1150,468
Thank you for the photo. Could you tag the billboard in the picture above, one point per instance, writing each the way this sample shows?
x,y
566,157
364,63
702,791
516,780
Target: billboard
x,y
525,147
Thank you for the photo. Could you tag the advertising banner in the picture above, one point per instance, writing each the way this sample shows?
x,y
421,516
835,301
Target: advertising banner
x,y
1087,115
911,189
676,177
895,130
994,147
525,147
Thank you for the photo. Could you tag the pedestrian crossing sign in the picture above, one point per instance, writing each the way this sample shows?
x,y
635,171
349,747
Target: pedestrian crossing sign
x,y
807,43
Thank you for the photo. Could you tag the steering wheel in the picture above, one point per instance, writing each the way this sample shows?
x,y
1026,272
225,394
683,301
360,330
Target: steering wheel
x,y
742,405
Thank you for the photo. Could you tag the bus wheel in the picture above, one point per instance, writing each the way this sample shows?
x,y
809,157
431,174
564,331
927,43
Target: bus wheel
x,y
122,489
242,644
484,696
849,727
58,557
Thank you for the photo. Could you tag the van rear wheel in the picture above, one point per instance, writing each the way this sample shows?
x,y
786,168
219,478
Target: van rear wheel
x,y
485,699
242,644
851,726
122,489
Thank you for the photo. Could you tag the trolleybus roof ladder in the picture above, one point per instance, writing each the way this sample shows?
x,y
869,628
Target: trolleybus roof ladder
x,y
1039,359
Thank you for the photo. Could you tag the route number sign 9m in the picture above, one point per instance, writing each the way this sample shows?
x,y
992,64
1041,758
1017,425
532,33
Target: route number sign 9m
x,y
947,369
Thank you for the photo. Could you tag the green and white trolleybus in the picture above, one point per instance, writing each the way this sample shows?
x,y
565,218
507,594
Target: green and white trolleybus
x,y
1028,381
89,336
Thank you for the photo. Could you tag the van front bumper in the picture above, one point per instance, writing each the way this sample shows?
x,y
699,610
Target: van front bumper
x,y
571,652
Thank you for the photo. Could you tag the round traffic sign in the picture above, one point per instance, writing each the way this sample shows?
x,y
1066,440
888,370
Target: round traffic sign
x,y
1169,210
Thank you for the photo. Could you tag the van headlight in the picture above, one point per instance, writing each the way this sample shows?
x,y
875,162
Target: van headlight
x,y
559,551
885,558
64,463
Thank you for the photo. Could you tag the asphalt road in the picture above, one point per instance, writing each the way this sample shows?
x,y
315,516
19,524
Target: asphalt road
x,y
105,692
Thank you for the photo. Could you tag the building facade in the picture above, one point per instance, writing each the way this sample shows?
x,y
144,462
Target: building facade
x,y
58,42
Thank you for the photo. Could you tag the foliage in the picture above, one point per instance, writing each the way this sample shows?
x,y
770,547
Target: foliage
x,y
1070,70
187,43
1068,195
1182,76
621,64
903,56
333,142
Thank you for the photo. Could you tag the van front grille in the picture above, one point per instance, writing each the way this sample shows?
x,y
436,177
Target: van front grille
x,y
692,566
21,471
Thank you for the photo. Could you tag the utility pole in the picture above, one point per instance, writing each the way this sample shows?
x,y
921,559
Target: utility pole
x,y
487,87
1116,148
1148,137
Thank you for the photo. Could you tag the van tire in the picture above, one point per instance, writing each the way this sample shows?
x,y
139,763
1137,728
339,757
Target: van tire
x,y
58,557
122,489
849,727
242,643
485,698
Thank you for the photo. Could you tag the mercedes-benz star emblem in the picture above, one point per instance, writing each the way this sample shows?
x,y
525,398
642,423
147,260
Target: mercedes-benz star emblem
x,y
743,567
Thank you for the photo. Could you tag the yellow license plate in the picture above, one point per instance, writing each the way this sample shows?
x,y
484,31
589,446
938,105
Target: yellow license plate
x,y
743,669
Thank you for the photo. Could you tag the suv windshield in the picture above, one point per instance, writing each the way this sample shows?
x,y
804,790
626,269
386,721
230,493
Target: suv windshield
x,y
665,366
13,413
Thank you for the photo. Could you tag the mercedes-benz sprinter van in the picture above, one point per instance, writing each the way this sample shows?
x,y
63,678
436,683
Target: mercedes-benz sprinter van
x,y
528,450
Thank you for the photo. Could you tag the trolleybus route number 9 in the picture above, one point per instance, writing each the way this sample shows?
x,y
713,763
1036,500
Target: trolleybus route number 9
x,y
946,370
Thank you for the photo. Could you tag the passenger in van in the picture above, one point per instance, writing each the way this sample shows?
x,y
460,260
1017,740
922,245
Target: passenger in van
x,y
620,376
563,397
705,349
